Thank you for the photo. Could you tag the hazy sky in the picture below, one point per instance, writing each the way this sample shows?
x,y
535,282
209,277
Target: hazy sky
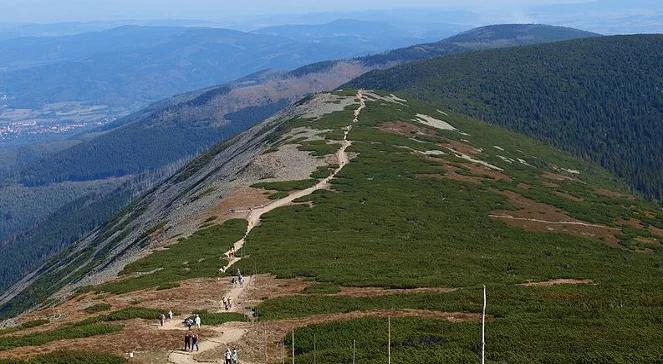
x,y
89,10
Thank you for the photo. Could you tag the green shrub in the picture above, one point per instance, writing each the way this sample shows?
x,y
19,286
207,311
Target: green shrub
x,y
219,318
69,357
194,257
25,325
61,333
99,307
322,288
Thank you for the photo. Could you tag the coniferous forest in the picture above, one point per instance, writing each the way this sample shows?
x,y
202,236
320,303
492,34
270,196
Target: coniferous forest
x,y
599,98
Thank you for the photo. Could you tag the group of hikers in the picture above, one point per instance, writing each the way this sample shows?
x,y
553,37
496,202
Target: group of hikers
x,y
162,317
231,357
191,341
227,303
190,321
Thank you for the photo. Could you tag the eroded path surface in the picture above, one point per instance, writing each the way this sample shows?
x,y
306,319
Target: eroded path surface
x,y
233,331
254,215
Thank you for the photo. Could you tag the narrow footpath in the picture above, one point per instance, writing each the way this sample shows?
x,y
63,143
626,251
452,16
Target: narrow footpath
x,y
232,331
343,159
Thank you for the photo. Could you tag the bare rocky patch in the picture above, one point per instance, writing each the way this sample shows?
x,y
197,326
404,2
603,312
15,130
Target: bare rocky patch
x,y
433,122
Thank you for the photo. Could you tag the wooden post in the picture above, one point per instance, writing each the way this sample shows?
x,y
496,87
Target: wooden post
x,y
483,328
354,351
389,337
265,338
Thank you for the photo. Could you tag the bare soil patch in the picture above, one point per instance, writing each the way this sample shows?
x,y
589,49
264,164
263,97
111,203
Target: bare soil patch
x,y
635,223
536,216
462,147
236,204
567,196
137,336
377,291
609,193
558,281
524,186
656,231
404,128
557,177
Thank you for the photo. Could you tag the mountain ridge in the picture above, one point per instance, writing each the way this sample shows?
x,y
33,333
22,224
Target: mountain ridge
x,y
594,97
238,104
425,196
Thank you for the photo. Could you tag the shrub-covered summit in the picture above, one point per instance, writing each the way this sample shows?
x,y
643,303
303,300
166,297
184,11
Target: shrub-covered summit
x,y
599,98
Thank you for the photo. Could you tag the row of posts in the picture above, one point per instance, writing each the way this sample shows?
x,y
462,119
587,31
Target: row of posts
x,y
354,343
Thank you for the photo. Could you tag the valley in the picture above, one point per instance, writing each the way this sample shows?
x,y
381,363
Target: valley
x,y
156,140
349,209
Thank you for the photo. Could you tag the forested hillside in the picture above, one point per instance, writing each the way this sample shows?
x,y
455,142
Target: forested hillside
x,y
598,98
510,35
352,215
177,128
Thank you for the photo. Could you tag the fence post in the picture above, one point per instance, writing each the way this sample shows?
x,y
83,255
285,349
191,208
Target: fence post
x,y
483,328
354,351
389,343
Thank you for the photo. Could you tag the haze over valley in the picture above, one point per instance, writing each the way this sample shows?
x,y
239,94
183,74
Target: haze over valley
x,y
331,182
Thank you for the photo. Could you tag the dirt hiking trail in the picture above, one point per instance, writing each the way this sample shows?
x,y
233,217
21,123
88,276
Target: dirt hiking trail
x,y
254,215
231,332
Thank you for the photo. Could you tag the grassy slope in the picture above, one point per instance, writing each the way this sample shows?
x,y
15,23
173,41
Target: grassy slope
x,y
385,226
597,98
197,256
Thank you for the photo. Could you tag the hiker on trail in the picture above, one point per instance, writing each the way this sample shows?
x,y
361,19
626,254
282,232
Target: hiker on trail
x,y
235,357
187,341
188,322
162,318
170,314
197,321
230,302
228,356
233,281
194,342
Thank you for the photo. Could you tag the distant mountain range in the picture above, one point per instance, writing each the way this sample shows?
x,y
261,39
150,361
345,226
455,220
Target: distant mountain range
x,y
183,125
133,65
175,129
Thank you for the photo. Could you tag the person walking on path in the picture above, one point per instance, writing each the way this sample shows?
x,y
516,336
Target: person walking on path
x,y
162,319
230,303
235,357
225,304
170,314
197,321
194,342
228,356
187,341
